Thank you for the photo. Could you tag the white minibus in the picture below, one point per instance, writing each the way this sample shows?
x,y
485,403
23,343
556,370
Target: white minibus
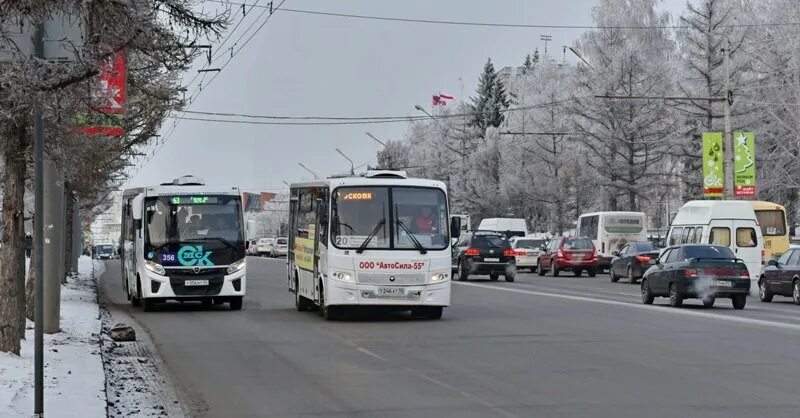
x,y
610,231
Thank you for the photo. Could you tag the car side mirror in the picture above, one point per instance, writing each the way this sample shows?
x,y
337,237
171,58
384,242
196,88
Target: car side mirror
x,y
658,262
615,253
455,227
773,263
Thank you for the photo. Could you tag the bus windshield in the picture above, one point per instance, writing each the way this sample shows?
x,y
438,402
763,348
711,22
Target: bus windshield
x,y
394,217
772,222
213,222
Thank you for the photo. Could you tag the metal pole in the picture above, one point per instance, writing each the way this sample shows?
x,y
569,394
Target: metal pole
x,y
352,168
38,236
727,163
376,139
53,258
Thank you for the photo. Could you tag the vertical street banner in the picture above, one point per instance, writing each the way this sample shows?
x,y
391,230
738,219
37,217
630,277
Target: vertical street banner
x,y
256,202
107,108
744,164
713,175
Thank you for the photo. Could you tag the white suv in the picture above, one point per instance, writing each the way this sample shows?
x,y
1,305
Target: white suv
x,y
265,247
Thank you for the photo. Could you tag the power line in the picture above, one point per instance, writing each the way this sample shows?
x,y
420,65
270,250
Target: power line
x,y
497,24
255,122
333,118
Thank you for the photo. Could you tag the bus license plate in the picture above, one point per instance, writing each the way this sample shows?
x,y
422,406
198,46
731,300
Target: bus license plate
x,y
491,260
723,283
196,283
391,291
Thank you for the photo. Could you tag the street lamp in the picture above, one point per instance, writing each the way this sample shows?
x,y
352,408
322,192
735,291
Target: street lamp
x,y
287,184
316,176
422,109
578,54
376,139
352,168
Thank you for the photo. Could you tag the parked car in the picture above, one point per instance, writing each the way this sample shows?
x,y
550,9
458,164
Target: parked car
x,y
633,260
781,277
281,247
265,247
526,252
576,254
484,252
252,245
701,271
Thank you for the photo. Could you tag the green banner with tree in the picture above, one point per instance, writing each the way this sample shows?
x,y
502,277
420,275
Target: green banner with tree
x,y
713,175
744,164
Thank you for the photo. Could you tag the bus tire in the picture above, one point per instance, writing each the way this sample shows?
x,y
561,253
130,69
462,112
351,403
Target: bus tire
x,y
327,312
137,300
300,302
236,303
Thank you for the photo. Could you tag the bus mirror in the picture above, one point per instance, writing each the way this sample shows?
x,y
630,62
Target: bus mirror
x,y
136,207
455,227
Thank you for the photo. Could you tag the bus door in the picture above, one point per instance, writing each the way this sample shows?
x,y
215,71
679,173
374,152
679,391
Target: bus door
x,y
320,235
290,253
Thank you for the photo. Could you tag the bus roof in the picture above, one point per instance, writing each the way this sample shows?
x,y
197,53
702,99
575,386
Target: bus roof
x,y
764,205
701,212
182,190
369,181
613,213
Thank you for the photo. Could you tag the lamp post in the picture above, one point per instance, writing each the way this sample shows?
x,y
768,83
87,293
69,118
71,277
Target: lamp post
x,y
316,176
376,139
352,168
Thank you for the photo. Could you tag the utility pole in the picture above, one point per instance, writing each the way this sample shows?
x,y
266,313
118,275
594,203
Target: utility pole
x,y
727,163
546,39
38,237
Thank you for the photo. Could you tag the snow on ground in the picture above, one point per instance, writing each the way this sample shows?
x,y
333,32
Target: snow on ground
x,y
74,382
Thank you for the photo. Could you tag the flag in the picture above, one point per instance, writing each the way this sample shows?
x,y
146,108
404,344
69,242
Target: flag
x,y
437,101
444,96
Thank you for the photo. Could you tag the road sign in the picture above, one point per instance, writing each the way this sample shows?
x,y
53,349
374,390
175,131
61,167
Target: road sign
x,y
713,176
744,164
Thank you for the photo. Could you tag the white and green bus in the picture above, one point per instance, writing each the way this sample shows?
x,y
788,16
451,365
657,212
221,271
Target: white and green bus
x,y
609,231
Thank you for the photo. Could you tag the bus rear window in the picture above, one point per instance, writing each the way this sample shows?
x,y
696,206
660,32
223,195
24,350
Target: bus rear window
x,y
772,222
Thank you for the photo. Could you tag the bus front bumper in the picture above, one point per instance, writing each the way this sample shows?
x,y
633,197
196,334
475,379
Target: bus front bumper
x,y
161,287
340,293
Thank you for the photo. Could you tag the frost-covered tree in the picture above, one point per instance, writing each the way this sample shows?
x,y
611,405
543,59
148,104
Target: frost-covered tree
x,y
396,155
627,138
491,100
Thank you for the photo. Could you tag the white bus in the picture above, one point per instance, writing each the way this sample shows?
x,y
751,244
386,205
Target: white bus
x,y
183,241
380,239
609,231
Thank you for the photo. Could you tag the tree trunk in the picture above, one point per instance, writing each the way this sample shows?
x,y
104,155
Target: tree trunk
x,y
12,253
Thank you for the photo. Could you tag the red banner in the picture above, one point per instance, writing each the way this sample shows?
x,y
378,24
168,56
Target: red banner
x,y
108,99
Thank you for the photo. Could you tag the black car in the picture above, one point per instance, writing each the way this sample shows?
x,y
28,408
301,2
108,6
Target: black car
x,y
781,277
484,252
697,271
632,260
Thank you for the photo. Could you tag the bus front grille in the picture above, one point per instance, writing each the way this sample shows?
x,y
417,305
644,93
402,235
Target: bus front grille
x,y
390,279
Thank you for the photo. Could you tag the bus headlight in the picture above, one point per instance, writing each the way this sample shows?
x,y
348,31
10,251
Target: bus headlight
x,y
439,277
155,267
345,277
236,266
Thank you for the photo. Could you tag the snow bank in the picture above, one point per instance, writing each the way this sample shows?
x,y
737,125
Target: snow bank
x,y
74,382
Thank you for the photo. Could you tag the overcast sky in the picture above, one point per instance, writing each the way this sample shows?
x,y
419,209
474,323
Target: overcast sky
x,y
301,65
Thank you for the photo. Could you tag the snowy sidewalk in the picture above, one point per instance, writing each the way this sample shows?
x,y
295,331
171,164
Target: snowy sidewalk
x,y
74,382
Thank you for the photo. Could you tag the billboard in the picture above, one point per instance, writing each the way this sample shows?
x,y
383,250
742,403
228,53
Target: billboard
x,y
713,174
255,202
107,108
744,164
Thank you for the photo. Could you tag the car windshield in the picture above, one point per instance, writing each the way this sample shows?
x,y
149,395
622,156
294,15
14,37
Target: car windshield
x,y
707,251
394,216
179,219
490,241
104,249
282,241
578,244
529,243
642,247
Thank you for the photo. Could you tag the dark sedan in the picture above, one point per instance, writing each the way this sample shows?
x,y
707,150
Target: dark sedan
x,y
632,260
697,271
781,277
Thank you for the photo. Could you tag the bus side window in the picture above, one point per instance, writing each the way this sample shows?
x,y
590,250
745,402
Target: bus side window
x,y
698,235
688,235
675,236
720,236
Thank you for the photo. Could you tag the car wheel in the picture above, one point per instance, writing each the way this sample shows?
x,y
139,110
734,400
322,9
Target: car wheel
x,y
708,301
647,297
614,277
236,303
493,276
675,297
576,272
510,277
463,275
592,272
539,270
554,269
739,301
630,275
796,292
763,293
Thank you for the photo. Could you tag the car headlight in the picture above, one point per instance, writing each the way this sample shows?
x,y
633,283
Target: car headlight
x,y
345,277
236,266
155,267
439,277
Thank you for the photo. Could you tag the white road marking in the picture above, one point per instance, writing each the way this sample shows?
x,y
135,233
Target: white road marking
x,y
649,308
370,353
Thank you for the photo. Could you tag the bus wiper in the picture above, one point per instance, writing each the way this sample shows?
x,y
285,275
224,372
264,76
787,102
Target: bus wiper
x,y
411,236
371,235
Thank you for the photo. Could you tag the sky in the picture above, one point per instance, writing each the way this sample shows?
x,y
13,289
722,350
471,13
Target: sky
x,y
299,65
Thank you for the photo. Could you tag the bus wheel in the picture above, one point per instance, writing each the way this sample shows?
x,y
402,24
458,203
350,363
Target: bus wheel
x,y
301,303
329,313
236,303
137,300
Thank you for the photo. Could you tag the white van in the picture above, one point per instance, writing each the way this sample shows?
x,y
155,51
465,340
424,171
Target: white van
x,y
609,231
511,227
731,223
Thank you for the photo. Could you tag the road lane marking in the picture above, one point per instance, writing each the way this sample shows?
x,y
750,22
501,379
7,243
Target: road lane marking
x,y
370,353
649,308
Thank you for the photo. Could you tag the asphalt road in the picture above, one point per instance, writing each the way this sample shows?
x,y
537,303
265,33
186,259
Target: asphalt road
x,y
539,347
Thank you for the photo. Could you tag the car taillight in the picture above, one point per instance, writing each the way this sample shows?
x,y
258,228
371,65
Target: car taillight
x,y
560,254
690,273
508,252
745,274
472,251
522,253
642,259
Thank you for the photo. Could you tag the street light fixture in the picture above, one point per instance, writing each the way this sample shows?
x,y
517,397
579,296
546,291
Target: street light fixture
x,y
376,139
422,109
578,54
352,168
316,176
